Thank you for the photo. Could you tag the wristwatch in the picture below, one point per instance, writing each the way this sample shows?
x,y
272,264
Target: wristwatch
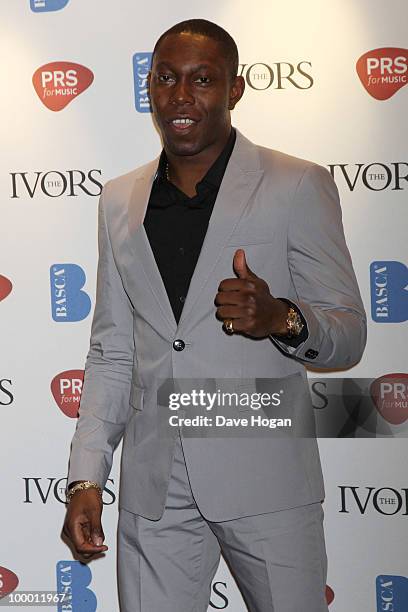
x,y
294,323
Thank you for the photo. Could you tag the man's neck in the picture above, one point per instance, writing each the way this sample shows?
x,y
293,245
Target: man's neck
x,y
185,171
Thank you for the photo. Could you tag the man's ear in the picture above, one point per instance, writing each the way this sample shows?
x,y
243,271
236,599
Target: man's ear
x,y
236,91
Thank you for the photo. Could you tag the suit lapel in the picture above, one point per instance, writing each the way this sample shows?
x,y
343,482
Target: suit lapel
x,y
140,244
239,182
240,179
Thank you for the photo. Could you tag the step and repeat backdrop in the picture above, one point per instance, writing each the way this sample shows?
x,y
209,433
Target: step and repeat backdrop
x,y
324,81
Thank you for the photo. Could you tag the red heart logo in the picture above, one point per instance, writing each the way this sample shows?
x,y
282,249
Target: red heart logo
x,y
383,71
58,83
66,388
8,581
5,287
390,396
329,595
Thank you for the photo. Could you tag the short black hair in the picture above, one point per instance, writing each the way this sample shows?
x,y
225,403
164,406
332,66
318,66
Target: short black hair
x,y
211,30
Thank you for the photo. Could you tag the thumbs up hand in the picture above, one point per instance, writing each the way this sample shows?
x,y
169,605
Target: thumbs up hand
x,y
247,301
241,268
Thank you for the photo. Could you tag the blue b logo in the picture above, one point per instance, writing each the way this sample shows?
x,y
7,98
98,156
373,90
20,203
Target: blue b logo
x,y
73,579
68,301
141,67
43,6
389,291
392,593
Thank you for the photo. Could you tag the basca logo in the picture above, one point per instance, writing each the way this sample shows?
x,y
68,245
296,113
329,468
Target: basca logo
x,y
375,176
385,500
383,71
66,389
329,595
5,287
73,580
56,183
390,396
69,302
278,75
42,6
141,67
58,83
6,396
392,593
389,291
43,489
8,581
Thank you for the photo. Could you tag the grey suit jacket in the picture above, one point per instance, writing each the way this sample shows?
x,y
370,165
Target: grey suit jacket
x,y
285,213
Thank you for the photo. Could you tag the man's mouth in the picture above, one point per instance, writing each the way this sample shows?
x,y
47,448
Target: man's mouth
x,y
181,124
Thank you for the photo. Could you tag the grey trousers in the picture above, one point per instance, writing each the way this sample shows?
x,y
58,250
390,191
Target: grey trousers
x,y
278,559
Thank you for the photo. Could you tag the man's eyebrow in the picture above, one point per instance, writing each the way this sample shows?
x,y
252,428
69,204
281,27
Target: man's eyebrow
x,y
164,64
202,67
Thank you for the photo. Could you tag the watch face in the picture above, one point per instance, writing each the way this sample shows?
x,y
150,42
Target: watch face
x,y
294,322
299,324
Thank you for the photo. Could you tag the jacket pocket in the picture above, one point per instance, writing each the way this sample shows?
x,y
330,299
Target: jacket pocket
x,y
244,240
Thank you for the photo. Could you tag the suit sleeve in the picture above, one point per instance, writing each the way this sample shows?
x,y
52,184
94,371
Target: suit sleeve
x,y
104,407
321,269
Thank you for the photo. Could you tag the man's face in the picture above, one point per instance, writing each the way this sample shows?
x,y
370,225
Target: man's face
x,y
192,92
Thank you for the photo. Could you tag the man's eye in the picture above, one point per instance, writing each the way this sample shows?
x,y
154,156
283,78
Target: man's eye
x,y
203,80
165,78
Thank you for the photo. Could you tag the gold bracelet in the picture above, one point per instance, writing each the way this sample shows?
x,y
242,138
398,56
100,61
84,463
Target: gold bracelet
x,y
82,486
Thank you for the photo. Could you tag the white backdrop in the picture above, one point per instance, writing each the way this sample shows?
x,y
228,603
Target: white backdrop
x,y
322,112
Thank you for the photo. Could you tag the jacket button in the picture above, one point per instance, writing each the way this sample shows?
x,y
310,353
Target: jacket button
x,y
311,354
178,345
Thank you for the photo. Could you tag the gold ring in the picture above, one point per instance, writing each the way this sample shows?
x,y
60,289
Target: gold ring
x,y
228,326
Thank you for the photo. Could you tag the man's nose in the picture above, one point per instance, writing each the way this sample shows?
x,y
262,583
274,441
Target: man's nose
x,y
182,93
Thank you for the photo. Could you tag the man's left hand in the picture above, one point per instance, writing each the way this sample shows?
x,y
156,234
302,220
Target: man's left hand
x,y
248,302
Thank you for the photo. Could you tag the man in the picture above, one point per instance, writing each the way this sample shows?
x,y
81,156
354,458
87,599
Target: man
x,y
220,260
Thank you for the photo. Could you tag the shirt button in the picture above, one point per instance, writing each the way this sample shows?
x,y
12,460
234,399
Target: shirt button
x,y
178,345
181,250
182,298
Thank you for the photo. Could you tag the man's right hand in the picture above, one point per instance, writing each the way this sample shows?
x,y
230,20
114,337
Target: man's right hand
x,y
82,523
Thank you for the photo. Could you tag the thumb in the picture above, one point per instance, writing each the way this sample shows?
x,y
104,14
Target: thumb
x,y
241,268
97,534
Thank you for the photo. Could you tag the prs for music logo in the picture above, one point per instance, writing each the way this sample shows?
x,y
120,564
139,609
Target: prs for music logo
x,y
58,83
383,71
66,389
5,287
329,594
390,396
8,581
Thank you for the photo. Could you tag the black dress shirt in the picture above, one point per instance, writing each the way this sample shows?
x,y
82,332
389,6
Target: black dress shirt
x,y
176,225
